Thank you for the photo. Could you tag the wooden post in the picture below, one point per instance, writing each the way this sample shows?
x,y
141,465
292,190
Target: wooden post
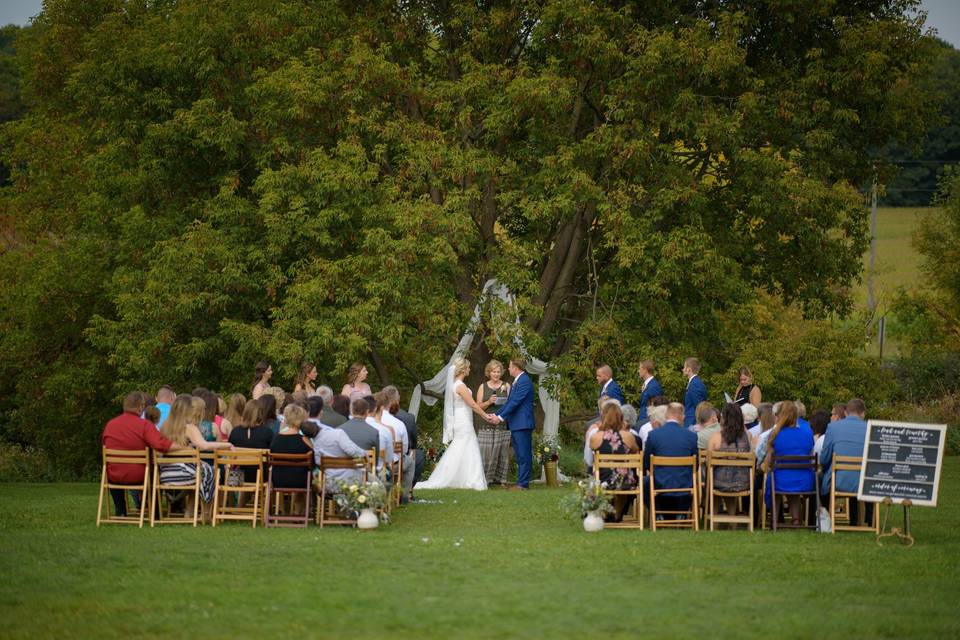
x,y
871,300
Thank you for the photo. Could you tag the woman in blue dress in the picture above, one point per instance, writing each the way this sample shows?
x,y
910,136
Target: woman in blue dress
x,y
787,439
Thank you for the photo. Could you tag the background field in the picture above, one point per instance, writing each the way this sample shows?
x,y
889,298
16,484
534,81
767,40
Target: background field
x,y
898,263
493,564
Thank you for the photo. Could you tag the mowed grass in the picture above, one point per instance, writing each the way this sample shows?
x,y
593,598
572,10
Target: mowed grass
x,y
493,564
897,262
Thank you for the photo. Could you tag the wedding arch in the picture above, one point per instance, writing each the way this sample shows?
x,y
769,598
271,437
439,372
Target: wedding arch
x,y
437,384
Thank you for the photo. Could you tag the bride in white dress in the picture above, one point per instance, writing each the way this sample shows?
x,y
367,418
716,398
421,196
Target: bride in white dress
x,y
460,467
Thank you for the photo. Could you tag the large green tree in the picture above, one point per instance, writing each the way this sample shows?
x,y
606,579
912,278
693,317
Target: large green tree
x,y
201,183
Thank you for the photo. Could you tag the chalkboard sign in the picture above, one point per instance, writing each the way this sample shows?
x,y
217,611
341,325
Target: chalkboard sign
x,y
902,461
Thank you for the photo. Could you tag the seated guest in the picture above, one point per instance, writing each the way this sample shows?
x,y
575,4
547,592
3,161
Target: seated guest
x,y
337,443
613,436
673,440
592,428
207,425
330,416
251,433
130,432
181,429
654,420
387,436
289,440
732,438
341,405
818,424
765,422
165,397
629,418
268,411
315,407
152,415
839,412
363,435
389,418
750,415
788,439
801,414
845,438
261,379
234,410
355,387
419,456
707,423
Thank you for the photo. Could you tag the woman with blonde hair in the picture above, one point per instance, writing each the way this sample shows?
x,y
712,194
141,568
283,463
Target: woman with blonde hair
x,y
234,411
181,429
787,439
494,439
461,466
747,392
355,386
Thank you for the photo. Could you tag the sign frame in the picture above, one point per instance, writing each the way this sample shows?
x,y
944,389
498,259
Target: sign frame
x,y
916,502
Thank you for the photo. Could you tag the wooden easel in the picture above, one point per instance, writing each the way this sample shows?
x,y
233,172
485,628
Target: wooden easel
x,y
905,537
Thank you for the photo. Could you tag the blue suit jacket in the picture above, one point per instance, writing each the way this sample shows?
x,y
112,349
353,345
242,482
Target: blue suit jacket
x,y
518,410
696,393
670,440
845,438
652,391
613,391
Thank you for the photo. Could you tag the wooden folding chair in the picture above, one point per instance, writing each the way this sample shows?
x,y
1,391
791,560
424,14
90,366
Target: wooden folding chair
x,y
243,493
848,463
396,471
189,456
139,457
633,518
796,463
290,461
717,460
694,490
327,510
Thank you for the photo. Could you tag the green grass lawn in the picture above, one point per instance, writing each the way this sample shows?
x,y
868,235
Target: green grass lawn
x,y
493,564
897,263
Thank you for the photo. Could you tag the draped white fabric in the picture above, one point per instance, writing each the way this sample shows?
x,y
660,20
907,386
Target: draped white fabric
x,y
439,383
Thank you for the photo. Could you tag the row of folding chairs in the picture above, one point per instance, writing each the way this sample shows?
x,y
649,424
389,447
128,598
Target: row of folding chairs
x,y
703,492
255,500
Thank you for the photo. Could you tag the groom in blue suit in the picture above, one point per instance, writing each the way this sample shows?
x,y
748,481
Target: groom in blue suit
x,y
518,414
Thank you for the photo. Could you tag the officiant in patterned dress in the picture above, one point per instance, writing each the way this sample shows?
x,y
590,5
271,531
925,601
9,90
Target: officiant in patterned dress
x,y
494,439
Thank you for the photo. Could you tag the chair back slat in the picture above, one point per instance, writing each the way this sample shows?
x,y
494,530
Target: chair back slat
x,y
334,462
126,456
731,459
177,457
300,460
671,461
847,463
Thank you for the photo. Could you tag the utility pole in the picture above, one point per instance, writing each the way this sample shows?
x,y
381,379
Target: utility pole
x,y
871,300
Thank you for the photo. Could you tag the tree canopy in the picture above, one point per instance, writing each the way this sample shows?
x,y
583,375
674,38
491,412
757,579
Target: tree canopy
x,y
199,184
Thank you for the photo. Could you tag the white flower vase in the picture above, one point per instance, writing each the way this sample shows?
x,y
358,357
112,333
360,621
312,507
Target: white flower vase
x,y
593,522
367,519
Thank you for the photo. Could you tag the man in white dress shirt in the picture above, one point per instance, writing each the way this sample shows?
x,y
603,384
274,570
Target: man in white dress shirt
x,y
390,418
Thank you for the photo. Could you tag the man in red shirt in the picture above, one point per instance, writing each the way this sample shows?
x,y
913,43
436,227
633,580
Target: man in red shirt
x,y
130,432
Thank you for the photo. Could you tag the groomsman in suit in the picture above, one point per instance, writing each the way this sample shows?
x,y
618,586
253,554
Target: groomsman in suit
x,y
696,391
651,389
609,386
517,412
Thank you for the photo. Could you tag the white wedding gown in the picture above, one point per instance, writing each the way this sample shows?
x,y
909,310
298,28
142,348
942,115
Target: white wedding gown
x,y
460,466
